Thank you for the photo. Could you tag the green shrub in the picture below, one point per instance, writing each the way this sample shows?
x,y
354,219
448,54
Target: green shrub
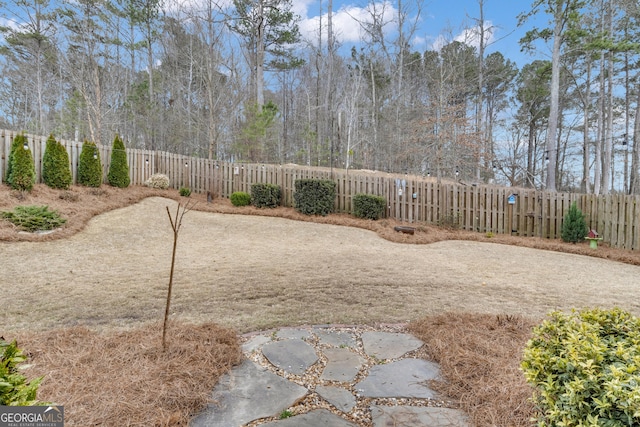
x,y
184,191
19,141
265,195
89,166
585,367
15,390
240,198
574,227
33,218
56,172
118,175
368,206
23,172
158,180
314,196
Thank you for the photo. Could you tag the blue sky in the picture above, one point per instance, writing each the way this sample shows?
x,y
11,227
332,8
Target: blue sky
x,y
440,21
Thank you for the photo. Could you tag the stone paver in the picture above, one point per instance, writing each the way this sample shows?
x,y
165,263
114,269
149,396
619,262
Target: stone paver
x,y
252,393
388,345
336,339
255,343
342,399
404,378
343,365
290,333
248,393
290,355
410,416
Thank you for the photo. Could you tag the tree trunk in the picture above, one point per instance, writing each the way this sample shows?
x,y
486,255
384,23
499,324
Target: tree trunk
x,y
555,100
260,52
634,174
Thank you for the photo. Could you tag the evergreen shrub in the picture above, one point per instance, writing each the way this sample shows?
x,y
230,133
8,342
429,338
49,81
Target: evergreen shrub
x,y
574,227
56,172
15,390
265,195
18,142
158,180
118,175
184,191
23,171
240,198
314,196
89,166
585,368
368,206
33,218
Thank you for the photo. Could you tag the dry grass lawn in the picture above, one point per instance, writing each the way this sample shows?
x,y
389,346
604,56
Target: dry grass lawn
x,y
85,301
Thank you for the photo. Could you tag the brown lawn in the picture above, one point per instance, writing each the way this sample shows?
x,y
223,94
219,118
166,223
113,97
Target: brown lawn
x,y
85,301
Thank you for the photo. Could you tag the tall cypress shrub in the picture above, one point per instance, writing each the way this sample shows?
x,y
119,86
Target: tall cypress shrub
x,y
56,172
23,171
119,168
89,166
18,142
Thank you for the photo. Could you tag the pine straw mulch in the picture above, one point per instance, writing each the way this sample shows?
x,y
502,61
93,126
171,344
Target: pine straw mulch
x,y
479,357
124,378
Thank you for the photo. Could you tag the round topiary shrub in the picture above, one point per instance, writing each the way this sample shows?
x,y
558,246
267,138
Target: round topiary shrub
x,y
23,172
240,198
56,172
118,175
158,180
574,227
585,368
89,166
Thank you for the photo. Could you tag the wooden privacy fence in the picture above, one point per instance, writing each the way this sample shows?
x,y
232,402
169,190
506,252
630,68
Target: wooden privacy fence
x,y
485,209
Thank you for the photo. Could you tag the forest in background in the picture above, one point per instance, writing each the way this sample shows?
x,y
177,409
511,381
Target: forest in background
x,y
238,82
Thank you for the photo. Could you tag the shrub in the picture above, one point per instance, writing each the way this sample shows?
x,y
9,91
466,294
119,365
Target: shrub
x,y
368,206
19,141
314,196
23,172
184,191
585,367
89,166
574,227
14,388
56,172
158,180
118,175
34,218
240,198
265,195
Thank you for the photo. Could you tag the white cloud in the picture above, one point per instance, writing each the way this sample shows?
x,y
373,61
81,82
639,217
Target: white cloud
x,y
348,21
468,36
12,24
